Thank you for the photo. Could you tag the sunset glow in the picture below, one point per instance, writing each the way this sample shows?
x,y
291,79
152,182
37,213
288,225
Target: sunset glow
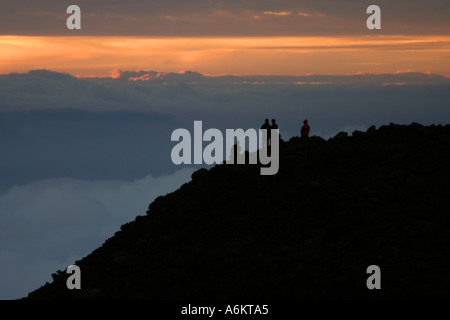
x,y
98,56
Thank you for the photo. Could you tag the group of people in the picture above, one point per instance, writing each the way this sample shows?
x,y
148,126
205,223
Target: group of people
x,y
304,132
266,125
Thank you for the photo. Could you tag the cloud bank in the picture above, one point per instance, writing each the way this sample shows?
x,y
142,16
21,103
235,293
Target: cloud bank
x,y
41,144
331,102
47,225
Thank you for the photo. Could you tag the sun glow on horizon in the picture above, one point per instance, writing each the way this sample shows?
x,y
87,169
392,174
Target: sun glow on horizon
x,y
98,56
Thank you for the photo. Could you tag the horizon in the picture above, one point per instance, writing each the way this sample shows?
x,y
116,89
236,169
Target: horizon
x,y
116,73
250,55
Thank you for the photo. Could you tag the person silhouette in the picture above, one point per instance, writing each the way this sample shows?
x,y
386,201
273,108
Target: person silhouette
x,y
305,129
274,125
266,134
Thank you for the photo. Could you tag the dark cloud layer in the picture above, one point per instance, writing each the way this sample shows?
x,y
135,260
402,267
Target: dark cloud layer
x,y
223,18
43,144
230,101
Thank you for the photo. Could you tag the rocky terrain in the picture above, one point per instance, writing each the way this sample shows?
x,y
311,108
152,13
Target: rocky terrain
x,y
379,197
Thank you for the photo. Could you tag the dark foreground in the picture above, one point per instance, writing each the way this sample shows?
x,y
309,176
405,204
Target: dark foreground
x,y
309,232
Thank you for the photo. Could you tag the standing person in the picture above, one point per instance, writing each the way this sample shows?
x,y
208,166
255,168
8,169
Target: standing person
x,y
266,133
305,129
274,125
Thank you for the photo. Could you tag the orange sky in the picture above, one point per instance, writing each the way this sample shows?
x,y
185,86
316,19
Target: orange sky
x,y
98,56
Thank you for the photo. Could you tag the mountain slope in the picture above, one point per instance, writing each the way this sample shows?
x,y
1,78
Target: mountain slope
x,y
334,208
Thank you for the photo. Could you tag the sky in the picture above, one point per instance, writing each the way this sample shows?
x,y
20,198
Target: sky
x,y
86,115
225,37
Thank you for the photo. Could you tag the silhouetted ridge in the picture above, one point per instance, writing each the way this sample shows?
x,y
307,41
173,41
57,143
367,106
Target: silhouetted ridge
x,y
334,208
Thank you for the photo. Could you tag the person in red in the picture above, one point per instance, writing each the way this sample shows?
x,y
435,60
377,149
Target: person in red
x,y
305,129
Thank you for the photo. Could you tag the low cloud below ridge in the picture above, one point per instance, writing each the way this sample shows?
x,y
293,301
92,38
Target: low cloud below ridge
x,y
47,225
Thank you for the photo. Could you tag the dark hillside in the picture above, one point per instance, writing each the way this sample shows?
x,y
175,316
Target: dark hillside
x,y
335,207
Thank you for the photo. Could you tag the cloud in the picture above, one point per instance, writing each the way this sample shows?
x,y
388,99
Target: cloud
x,y
222,101
51,90
394,84
41,144
313,83
278,13
48,225
116,74
222,18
